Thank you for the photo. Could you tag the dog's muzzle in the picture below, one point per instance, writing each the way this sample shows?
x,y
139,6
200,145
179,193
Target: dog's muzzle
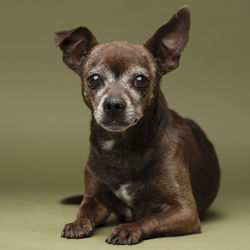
x,y
114,107
114,118
116,113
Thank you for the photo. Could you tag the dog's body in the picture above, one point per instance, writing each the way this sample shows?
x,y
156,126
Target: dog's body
x,y
155,170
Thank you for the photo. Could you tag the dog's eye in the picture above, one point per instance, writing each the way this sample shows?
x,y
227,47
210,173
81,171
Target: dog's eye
x,y
94,81
141,81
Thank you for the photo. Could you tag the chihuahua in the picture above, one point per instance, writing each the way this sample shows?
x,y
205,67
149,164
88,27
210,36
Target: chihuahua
x,y
157,171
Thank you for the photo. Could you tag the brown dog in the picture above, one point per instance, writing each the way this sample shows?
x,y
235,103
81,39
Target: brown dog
x,y
154,169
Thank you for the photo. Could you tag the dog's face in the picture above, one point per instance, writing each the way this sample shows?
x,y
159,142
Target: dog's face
x,y
120,79
118,82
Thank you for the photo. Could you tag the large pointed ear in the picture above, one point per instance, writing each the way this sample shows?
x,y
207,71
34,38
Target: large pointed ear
x,y
169,40
75,45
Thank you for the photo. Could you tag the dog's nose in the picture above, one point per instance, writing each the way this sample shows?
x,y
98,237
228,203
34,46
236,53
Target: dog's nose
x,y
114,106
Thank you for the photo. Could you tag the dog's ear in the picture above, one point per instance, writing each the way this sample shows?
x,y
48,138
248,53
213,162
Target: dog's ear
x,y
169,40
75,45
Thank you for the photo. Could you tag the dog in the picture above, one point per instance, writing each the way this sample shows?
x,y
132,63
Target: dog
x,y
157,171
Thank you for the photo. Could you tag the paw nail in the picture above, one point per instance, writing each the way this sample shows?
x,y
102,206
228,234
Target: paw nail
x,y
62,234
76,235
69,235
115,240
129,241
109,239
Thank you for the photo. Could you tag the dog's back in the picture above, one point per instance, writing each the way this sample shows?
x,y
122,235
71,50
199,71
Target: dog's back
x,y
204,171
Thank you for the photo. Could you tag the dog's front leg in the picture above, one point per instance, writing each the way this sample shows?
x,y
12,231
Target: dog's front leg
x,y
176,220
91,213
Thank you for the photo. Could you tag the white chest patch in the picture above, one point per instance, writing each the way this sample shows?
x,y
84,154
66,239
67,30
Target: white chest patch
x,y
108,145
123,194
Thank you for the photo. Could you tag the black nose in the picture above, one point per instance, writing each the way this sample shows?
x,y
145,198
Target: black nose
x,y
114,106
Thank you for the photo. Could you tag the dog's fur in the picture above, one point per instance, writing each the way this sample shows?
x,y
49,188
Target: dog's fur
x,y
154,169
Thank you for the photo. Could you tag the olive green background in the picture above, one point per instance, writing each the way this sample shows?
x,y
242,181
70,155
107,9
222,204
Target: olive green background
x,y
45,125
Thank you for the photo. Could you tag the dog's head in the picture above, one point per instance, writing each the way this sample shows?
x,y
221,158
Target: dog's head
x,y
120,79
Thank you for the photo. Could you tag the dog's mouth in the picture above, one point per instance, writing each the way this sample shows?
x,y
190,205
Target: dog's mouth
x,y
115,125
118,123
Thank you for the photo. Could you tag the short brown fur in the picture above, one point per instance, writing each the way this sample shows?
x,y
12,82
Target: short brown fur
x,y
169,163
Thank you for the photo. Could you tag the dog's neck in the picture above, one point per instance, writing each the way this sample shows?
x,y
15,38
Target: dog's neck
x,y
140,135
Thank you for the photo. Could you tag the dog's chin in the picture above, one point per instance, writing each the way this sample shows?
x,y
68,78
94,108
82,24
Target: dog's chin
x,y
115,126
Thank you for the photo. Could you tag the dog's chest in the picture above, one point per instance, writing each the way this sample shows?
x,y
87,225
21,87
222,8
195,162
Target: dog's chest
x,y
125,193
116,166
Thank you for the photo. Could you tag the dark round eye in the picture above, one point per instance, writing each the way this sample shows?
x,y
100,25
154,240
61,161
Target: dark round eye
x,y
94,81
141,81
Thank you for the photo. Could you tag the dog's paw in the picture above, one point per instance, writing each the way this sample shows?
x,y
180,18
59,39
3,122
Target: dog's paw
x,y
80,228
125,234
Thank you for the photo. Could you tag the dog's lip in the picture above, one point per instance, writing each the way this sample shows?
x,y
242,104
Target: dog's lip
x,y
115,125
114,122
